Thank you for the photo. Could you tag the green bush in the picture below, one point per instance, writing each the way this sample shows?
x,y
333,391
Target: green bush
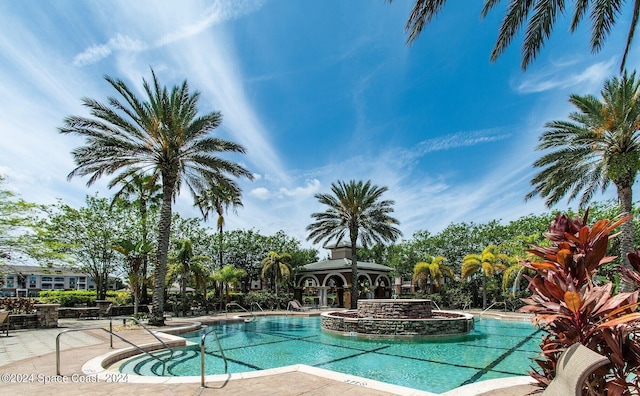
x,y
70,298
266,299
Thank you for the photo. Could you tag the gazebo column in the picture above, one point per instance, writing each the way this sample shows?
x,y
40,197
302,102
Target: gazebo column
x,y
323,296
297,294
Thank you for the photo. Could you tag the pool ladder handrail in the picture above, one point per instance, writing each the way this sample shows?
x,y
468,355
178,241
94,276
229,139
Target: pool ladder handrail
x,y
494,303
111,341
226,309
202,341
257,305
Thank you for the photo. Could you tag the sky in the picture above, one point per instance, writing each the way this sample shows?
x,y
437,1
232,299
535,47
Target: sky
x,y
316,91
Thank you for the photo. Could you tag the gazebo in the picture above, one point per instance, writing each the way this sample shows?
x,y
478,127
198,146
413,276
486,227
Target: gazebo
x,y
316,281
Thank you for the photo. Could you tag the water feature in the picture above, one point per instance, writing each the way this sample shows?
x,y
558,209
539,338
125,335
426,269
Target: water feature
x,y
397,318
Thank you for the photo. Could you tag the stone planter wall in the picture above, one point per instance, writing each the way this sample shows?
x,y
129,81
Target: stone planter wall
x,y
47,315
398,327
23,321
394,309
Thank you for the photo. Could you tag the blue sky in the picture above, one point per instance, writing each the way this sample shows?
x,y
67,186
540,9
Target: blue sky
x,y
317,91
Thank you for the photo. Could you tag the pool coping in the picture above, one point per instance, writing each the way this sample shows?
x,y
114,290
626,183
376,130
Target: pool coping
x,y
104,366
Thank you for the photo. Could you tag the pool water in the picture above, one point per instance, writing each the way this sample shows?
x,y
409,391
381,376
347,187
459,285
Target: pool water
x,y
494,349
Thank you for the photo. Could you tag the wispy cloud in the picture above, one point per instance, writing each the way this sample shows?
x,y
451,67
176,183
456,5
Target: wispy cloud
x,y
219,12
97,52
559,77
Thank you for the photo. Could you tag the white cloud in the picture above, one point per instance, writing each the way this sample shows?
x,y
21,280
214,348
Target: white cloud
x,y
559,77
97,52
311,187
260,193
220,11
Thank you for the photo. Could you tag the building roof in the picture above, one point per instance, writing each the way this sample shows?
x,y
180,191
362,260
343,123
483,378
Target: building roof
x,y
37,270
343,264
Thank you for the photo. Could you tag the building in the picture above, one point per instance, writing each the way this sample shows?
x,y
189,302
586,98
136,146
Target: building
x,y
28,280
324,279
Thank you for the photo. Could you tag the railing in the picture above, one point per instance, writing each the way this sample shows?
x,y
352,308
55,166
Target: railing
x,y
202,340
496,302
257,305
143,326
112,334
226,309
436,305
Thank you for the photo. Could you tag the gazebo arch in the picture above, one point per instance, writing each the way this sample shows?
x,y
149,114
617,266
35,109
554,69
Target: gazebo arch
x,y
332,274
340,268
307,276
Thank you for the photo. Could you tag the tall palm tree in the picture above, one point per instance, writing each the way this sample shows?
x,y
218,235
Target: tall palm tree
x,y
144,191
599,145
279,264
489,262
356,211
432,269
539,16
161,135
219,199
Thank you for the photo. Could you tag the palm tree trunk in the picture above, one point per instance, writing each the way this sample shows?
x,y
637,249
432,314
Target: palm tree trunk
x,y
164,230
627,237
484,291
145,257
354,273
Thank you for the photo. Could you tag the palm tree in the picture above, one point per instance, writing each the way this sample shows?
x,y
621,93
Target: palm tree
x,y
162,135
599,145
279,264
355,211
134,254
540,16
228,275
432,269
219,199
144,191
488,262
184,265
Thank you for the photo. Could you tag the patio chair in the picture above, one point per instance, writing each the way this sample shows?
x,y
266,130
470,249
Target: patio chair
x,y
4,322
296,306
573,367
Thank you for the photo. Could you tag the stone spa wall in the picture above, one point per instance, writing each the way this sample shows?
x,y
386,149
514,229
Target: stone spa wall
x,y
397,318
394,309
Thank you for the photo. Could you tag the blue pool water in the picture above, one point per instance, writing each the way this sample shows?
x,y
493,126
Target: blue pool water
x,y
495,349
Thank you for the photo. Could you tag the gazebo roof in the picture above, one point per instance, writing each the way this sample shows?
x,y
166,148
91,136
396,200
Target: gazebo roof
x,y
343,264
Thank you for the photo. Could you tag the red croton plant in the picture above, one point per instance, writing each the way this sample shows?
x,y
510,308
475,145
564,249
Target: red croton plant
x,y
572,308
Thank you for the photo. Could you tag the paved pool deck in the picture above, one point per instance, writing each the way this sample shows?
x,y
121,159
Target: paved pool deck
x,y
28,367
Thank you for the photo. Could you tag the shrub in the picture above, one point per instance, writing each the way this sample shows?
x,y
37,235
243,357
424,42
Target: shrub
x,y
571,308
17,305
70,298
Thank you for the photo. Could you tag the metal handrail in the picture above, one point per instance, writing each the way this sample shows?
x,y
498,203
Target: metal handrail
x,y
494,303
202,340
112,334
226,308
257,305
436,304
144,327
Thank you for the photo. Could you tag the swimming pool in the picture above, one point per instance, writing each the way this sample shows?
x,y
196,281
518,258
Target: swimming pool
x,y
494,349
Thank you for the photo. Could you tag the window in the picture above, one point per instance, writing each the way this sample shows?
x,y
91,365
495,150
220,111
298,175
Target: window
x,y
46,286
47,279
59,279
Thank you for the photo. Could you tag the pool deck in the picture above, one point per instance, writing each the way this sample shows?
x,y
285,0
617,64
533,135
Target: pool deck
x,y
28,366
